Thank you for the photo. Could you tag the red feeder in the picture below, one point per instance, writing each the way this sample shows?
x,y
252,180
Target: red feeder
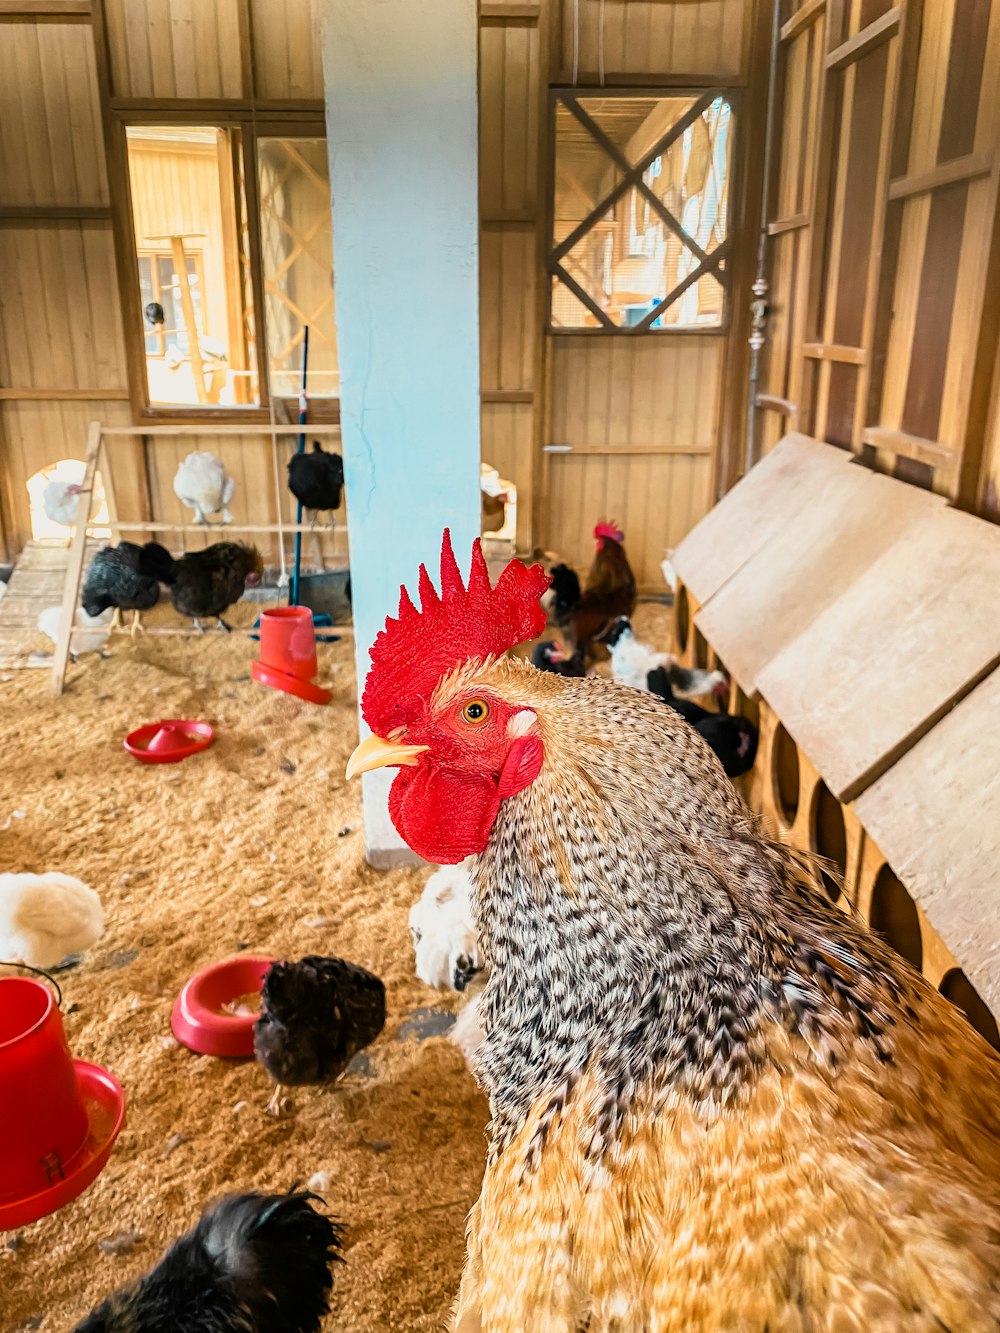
x,y
198,1020
168,742
288,653
59,1117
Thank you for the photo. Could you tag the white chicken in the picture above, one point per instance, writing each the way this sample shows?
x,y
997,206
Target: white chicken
x,y
61,502
97,629
632,662
467,1031
442,929
204,485
44,918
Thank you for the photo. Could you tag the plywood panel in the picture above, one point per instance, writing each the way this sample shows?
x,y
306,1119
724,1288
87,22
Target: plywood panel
x,y
508,444
175,48
507,307
698,37
806,565
60,317
936,816
508,119
793,473
656,499
51,145
920,620
287,49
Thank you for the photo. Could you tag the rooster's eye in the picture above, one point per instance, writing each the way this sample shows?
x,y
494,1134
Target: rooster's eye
x,y
476,712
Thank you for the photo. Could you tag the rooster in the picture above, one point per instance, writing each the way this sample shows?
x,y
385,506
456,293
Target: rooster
x,y
610,589
635,663
203,484
255,1263
317,479
718,1102
205,583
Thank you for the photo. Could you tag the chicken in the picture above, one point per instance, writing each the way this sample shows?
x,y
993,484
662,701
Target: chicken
x,y
255,1263
441,927
466,1033
632,662
317,479
208,582
550,655
61,502
92,641
45,918
563,597
732,739
718,1102
315,1016
610,590
203,484
116,578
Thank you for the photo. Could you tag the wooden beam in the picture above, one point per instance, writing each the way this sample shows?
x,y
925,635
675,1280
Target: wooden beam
x,y
14,213
44,11
498,12
969,167
625,450
858,46
808,13
507,396
849,356
206,428
148,526
770,402
791,223
898,442
64,395
74,564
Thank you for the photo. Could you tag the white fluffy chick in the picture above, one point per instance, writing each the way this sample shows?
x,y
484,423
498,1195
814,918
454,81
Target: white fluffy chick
x,y
632,661
43,918
96,628
442,929
204,485
61,502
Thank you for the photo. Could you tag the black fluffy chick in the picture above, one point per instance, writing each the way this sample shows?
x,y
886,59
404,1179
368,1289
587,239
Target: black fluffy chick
x,y
566,593
317,479
255,1263
315,1016
551,656
733,739
115,578
208,582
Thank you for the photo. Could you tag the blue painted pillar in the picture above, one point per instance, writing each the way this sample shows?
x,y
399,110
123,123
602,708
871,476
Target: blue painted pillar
x,y
401,86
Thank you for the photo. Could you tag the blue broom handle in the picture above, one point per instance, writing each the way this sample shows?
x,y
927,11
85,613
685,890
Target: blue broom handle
x,y
303,405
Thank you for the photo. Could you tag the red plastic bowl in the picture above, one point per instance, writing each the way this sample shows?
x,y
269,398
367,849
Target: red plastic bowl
x,y
198,1020
168,742
281,680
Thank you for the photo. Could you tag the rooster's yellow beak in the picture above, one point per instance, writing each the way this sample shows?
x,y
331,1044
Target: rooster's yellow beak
x,y
378,753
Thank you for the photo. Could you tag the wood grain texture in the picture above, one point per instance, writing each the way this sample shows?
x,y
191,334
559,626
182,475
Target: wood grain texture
x,y
706,37
935,586
507,305
286,45
805,565
51,146
936,816
508,119
175,48
755,509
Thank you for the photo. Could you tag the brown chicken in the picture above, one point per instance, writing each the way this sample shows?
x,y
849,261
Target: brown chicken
x,y
718,1102
610,588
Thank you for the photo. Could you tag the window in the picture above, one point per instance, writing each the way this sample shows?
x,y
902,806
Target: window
x,y
640,213
191,245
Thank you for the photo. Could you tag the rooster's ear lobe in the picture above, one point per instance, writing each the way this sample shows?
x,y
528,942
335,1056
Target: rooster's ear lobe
x,y
522,765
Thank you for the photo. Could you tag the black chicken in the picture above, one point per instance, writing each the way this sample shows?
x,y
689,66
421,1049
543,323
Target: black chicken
x,y
733,739
315,1016
154,313
255,1263
317,479
565,592
116,578
550,655
205,583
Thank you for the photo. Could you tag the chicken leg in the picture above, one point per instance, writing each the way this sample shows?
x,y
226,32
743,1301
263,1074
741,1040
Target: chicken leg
x,y
116,621
223,625
274,1106
137,626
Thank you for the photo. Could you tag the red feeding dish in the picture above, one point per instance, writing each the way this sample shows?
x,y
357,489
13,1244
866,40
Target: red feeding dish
x,y
59,1117
168,742
198,1019
288,654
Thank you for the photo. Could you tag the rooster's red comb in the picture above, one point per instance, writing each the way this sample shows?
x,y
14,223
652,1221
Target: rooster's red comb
x,y
609,530
454,626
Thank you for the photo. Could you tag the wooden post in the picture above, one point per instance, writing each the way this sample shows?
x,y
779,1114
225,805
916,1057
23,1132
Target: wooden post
x,y
74,568
187,308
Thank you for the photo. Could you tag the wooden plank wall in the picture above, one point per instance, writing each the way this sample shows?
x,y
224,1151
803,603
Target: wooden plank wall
x,y
884,249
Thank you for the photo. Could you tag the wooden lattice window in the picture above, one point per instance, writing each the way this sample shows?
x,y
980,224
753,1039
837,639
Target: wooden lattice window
x,y
640,211
297,264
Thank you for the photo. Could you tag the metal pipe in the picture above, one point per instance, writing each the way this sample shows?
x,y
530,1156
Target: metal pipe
x,y
303,411
758,306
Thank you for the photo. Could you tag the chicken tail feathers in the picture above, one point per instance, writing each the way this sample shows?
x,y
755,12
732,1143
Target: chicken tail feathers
x,y
156,562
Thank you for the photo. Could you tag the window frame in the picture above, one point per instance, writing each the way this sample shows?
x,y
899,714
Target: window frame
x,y
720,260
251,128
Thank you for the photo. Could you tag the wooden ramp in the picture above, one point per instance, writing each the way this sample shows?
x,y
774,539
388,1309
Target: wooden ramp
x,y
37,582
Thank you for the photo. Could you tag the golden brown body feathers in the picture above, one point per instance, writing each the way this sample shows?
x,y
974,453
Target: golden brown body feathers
x,y
719,1103
609,592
